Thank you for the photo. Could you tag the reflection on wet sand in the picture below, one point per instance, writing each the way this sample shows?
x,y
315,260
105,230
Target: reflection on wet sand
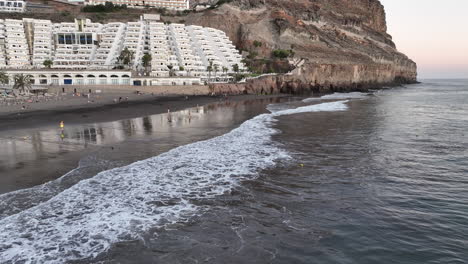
x,y
32,150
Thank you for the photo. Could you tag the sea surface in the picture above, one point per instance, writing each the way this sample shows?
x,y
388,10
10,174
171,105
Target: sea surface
x,y
343,178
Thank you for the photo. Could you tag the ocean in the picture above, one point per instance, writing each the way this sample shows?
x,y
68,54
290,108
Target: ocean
x,y
343,178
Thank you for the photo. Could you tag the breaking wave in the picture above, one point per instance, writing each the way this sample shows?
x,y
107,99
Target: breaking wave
x,y
337,96
125,203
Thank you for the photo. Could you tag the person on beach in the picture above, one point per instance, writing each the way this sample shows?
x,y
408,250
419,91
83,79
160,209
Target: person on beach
x,y
169,118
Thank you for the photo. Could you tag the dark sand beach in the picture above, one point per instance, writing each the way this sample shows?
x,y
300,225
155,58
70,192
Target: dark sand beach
x,y
344,178
77,110
35,150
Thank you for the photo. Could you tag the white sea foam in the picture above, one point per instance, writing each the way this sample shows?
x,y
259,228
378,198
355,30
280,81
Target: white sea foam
x,y
20,200
125,203
337,96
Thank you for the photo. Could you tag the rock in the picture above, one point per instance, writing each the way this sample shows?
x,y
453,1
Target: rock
x,y
343,44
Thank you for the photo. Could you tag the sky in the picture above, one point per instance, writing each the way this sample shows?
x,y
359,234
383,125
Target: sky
x,y
433,33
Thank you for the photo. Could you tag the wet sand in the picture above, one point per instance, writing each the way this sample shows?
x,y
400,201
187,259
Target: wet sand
x,y
35,150
78,111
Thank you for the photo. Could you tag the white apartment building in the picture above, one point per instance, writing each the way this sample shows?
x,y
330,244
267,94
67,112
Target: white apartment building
x,y
176,50
168,4
10,6
16,49
2,44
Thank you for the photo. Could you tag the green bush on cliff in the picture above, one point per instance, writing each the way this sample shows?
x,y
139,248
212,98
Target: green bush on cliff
x,y
282,54
106,8
257,43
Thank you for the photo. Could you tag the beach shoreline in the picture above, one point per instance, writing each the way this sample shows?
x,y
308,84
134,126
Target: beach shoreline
x,y
34,152
79,111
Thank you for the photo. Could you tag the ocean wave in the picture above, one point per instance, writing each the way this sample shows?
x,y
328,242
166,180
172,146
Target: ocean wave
x,y
20,200
337,96
125,203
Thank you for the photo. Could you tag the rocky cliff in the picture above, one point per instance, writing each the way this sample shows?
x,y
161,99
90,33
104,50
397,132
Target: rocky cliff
x,y
337,44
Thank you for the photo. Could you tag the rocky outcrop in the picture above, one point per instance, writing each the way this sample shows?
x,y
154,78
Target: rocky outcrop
x,y
343,43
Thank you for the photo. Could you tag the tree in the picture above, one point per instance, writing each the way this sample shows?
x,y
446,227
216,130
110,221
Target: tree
x,y
146,60
109,5
47,63
235,68
210,69
216,69
171,70
22,82
126,57
225,70
4,79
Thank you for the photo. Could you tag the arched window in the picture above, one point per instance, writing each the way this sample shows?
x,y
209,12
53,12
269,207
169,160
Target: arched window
x,y
91,76
54,76
42,76
114,76
79,76
125,76
102,76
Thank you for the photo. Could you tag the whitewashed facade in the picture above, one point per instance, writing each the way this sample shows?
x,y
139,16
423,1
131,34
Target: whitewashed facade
x,y
175,49
79,78
168,4
12,6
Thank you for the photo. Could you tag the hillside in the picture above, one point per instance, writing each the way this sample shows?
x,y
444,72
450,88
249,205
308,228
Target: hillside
x,y
344,44
332,44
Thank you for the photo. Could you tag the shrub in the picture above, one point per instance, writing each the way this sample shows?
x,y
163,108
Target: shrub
x,y
106,8
257,43
282,54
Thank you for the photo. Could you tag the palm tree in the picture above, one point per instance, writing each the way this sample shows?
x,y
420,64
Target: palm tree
x,y
171,70
210,69
47,63
235,68
225,71
146,60
216,69
4,79
22,82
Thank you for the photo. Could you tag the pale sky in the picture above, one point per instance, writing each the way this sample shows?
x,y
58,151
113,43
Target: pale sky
x,y
434,33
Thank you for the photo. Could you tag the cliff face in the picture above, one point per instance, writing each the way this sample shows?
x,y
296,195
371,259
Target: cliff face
x,y
338,44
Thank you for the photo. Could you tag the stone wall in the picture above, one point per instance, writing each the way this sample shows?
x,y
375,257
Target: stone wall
x,y
160,90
